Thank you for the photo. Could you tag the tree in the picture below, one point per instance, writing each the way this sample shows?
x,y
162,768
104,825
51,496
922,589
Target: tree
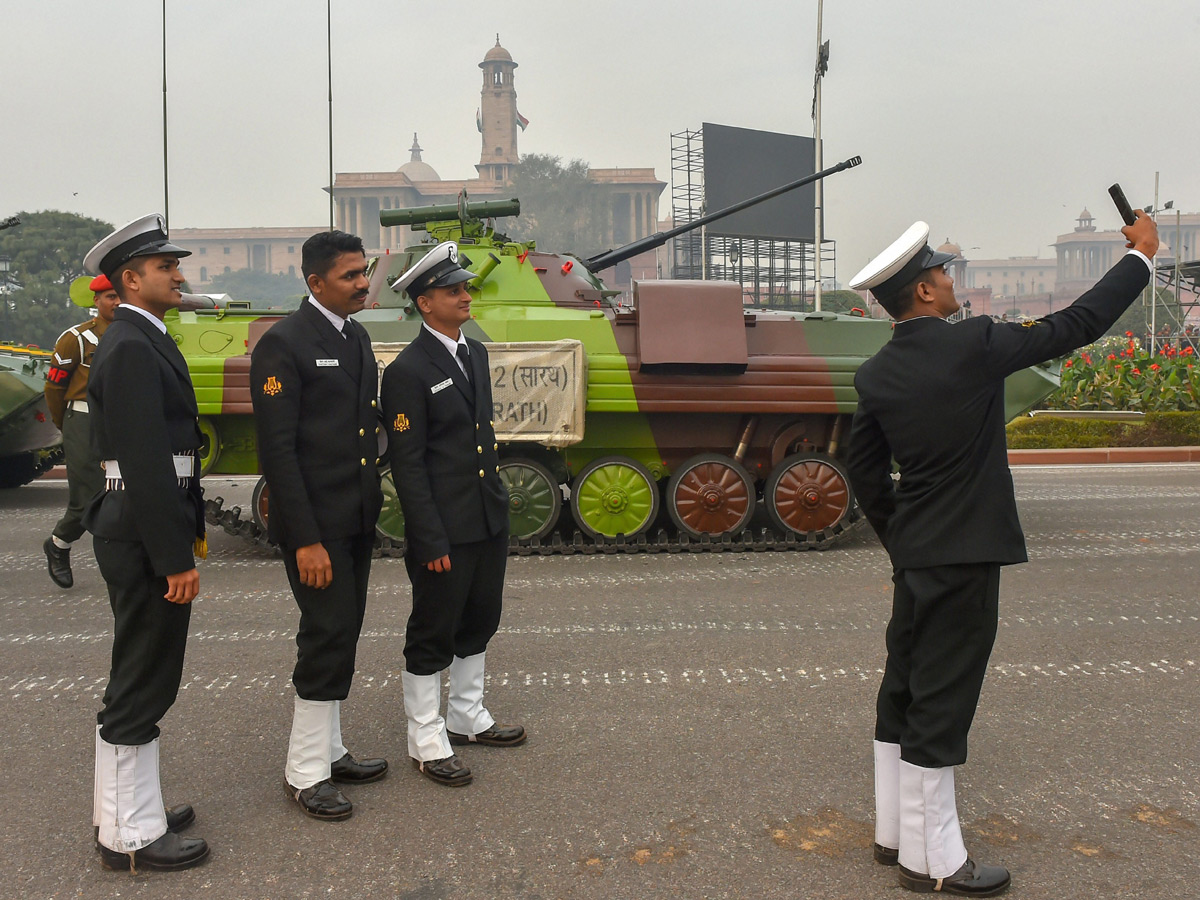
x,y
841,301
1137,317
45,255
560,208
262,289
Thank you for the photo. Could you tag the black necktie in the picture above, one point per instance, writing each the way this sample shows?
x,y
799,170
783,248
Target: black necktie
x,y
464,356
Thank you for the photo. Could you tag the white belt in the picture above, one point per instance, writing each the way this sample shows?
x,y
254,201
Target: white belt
x,y
78,405
185,466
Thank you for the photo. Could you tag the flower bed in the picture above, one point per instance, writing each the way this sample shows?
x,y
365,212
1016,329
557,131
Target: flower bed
x,y
1118,373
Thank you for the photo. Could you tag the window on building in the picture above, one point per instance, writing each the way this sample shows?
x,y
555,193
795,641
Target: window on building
x,y
226,251
291,248
203,251
227,270
203,273
291,271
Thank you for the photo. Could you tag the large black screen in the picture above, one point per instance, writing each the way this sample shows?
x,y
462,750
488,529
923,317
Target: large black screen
x,y
740,163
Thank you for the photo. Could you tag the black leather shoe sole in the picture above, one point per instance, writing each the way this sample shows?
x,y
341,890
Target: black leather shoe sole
x,y
433,775
886,856
179,853
923,884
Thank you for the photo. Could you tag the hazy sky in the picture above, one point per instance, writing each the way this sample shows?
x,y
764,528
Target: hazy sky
x,y
996,122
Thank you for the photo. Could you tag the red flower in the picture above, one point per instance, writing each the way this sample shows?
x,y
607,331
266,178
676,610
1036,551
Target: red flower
x,y
1154,367
1112,356
1068,364
1188,351
1136,371
1129,334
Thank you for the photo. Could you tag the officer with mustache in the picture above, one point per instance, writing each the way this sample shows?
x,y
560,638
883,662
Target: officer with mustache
x,y
315,390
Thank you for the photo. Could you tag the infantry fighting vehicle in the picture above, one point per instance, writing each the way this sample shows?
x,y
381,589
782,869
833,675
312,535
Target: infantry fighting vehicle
x,y
29,442
700,414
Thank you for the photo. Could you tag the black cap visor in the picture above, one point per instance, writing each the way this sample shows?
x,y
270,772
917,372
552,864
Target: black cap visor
x,y
443,274
139,246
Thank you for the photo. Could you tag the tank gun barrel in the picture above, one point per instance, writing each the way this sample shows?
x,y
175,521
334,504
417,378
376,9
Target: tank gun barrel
x,y
445,212
612,257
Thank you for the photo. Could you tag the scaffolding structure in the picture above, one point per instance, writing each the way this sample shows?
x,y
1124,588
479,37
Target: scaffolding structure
x,y
777,273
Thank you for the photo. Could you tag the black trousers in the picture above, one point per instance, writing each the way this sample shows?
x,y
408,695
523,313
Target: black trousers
x,y
939,639
455,613
330,619
85,478
149,638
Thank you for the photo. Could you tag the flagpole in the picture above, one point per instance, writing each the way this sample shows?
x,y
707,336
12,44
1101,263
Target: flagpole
x,y
329,58
166,180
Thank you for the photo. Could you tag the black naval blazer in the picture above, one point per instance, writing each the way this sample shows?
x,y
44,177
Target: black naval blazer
x,y
443,447
142,411
933,399
318,428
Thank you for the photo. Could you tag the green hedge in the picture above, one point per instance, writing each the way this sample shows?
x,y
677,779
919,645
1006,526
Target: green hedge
x,y
1045,432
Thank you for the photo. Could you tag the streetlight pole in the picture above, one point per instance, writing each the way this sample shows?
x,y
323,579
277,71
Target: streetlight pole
x,y
819,191
1154,275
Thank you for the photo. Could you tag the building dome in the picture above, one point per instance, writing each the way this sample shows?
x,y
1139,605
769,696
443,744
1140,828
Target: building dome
x,y
949,247
415,169
497,54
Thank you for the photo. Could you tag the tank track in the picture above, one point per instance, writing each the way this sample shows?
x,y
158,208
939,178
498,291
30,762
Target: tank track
x,y
233,521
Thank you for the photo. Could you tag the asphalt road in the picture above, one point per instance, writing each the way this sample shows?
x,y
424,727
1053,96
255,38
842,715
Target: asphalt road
x,y
700,724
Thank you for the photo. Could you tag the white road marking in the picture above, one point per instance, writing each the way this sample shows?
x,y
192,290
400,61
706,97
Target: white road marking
x,y
48,687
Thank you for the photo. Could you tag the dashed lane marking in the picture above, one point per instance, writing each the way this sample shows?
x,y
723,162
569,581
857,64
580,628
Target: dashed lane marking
x,y
47,687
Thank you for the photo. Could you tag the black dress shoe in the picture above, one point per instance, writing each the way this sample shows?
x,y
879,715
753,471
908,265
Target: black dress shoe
x,y
450,771
178,818
169,852
972,880
58,561
322,801
349,770
886,856
496,736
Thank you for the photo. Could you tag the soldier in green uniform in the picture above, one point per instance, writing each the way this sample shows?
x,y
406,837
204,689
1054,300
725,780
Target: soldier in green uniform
x,y
66,397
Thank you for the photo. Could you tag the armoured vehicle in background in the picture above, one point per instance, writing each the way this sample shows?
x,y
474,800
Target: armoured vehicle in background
x,y
705,422
29,442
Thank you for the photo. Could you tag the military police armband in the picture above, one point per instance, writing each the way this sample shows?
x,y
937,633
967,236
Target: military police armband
x,y
57,375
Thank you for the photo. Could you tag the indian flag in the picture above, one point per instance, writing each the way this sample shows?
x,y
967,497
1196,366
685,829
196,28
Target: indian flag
x,y
522,122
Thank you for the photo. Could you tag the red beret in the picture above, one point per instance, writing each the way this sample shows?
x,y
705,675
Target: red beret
x,y
100,284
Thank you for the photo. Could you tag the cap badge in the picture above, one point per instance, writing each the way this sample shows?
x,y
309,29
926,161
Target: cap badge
x,y
272,387
452,252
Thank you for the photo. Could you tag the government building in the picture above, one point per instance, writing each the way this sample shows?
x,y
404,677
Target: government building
x,y
629,199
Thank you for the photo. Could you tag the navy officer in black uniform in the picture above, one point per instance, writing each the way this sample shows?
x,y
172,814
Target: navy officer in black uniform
x,y
437,404
932,399
315,391
147,524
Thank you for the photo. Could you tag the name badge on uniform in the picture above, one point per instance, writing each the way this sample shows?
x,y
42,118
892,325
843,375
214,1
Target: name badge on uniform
x,y
441,385
321,363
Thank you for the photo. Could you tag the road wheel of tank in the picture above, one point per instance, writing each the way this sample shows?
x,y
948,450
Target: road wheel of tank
x,y
614,495
808,495
712,495
210,447
390,523
18,470
260,502
534,498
